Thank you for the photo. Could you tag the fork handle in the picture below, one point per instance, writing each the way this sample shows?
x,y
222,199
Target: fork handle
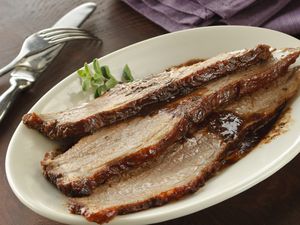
x,y
8,97
9,66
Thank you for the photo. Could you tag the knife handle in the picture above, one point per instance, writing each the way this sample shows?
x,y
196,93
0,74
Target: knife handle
x,y
8,97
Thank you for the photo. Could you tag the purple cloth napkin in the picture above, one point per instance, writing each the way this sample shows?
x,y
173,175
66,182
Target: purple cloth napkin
x,y
225,8
258,13
288,20
189,7
173,15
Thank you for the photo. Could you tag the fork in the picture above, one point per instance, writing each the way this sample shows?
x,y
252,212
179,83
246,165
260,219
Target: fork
x,y
45,39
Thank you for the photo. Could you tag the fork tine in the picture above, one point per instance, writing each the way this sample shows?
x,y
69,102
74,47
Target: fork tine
x,y
68,35
57,34
61,40
49,30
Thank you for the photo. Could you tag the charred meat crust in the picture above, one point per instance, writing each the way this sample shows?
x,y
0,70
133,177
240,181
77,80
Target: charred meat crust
x,y
108,214
201,107
55,130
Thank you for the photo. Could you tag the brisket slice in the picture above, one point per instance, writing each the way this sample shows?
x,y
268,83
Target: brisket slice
x,y
185,166
126,100
115,148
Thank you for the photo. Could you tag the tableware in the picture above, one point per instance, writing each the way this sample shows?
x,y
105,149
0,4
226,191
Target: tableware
x,y
26,73
45,39
27,147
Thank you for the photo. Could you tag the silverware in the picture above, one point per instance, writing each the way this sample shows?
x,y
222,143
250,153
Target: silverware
x,y
28,70
45,39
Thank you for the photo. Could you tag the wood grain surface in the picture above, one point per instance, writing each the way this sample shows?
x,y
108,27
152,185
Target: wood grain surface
x,y
276,201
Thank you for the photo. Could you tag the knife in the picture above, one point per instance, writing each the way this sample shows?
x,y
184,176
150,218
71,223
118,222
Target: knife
x,y
27,71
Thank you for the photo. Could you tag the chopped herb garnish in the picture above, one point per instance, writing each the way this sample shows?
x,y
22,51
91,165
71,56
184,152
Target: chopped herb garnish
x,y
106,72
81,73
85,84
96,67
100,91
98,76
111,83
127,76
101,79
87,71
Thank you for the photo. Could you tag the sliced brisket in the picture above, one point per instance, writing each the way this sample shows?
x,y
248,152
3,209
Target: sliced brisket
x,y
185,166
115,148
126,100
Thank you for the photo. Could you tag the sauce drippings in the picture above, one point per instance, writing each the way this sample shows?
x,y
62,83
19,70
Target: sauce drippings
x,y
264,134
280,127
225,124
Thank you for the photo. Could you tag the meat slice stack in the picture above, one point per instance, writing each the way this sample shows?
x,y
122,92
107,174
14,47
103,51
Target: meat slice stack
x,y
128,99
127,144
186,165
205,111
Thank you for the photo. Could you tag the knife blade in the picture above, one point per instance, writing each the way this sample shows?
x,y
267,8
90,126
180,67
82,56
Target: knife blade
x,y
27,71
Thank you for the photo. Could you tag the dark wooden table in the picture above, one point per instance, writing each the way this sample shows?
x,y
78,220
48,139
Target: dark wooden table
x,y
274,201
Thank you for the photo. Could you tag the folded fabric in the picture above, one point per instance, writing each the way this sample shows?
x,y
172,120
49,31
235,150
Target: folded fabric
x,y
258,13
288,20
189,7
157,17
173,15
225,8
